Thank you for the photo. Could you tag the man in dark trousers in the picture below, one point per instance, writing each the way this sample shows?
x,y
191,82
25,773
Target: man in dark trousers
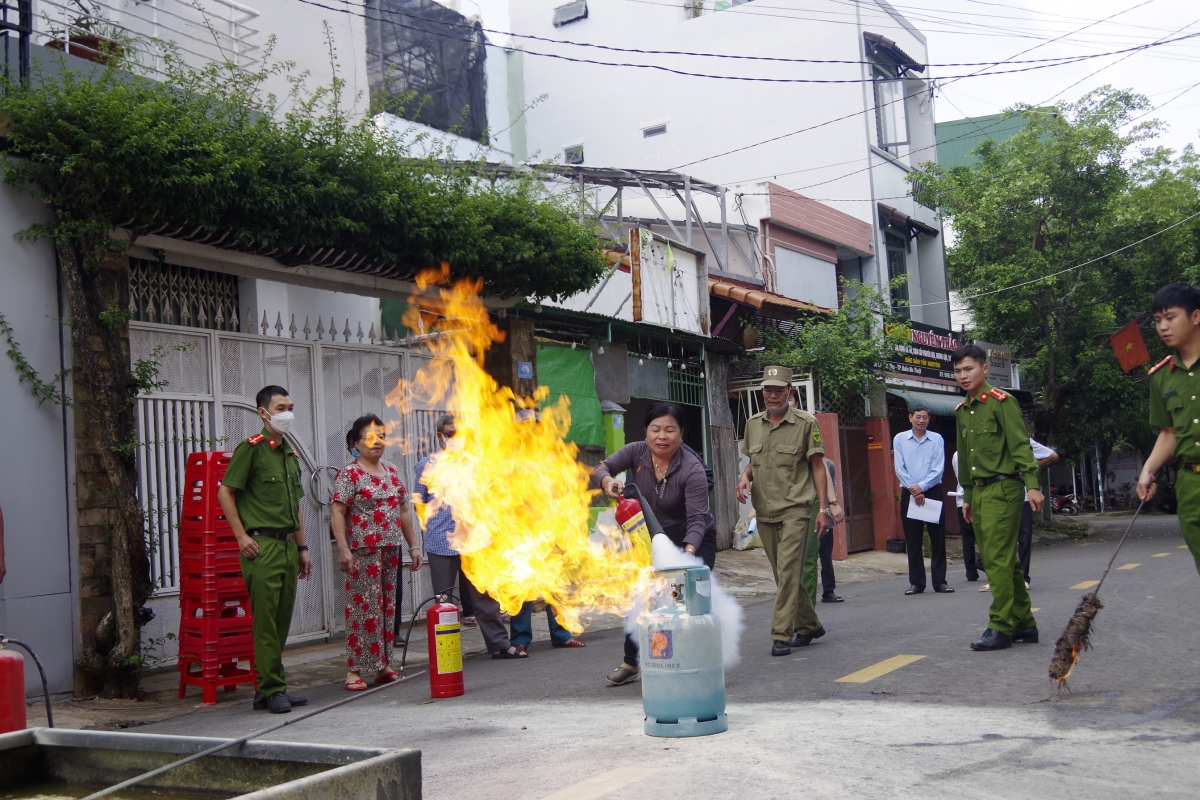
x,y
260,495
920,460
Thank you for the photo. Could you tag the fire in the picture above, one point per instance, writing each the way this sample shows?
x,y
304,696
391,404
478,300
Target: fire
x,y
519,496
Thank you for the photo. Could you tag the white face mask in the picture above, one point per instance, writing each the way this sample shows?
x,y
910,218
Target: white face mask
x,y
282,422
453,444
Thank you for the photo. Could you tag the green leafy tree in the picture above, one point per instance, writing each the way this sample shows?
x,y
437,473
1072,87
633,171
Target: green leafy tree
x,y
847,350
1036,221
205,151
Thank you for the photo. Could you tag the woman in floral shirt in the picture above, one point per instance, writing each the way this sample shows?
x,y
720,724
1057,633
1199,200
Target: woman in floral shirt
x,y
370,514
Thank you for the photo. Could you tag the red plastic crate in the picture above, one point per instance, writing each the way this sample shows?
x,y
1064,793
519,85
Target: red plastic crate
x,y
202,479
210,559
225,672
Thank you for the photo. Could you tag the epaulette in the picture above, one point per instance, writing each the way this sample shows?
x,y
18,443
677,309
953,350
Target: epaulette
x,y
1168,360
960,405
999,395
255,439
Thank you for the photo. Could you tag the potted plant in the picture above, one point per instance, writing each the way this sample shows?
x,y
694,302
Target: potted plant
x,y
88,36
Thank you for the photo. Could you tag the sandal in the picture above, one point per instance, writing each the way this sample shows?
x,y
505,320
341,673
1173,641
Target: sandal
x,y
512,652
944,589
391,676
622,675
913,590
572,642
470,622
358,685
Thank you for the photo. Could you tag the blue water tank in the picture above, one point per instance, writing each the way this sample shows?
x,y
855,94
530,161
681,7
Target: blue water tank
x,y
683,675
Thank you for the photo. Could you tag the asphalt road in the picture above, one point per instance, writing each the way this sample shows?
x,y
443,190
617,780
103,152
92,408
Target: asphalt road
x,y
953,723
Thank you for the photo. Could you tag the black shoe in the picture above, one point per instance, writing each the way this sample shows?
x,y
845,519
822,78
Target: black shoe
x,y
779,648
1025,635
805,639
832,598
278,703
260,702
992,639
972,578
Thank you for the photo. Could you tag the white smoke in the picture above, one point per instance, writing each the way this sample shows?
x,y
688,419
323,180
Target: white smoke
x,y
665,555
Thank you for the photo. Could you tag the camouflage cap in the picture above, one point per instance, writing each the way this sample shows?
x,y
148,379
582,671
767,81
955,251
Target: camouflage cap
x,y
777,376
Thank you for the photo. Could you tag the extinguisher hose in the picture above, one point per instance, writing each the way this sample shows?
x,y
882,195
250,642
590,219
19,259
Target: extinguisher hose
x,y
4,640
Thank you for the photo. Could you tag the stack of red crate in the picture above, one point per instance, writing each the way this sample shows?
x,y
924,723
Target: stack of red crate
x,y
216,629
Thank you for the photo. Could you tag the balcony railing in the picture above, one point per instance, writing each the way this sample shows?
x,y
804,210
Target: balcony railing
x,y
201,31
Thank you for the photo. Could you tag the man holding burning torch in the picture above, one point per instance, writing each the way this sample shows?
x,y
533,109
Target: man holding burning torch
x,y
785,475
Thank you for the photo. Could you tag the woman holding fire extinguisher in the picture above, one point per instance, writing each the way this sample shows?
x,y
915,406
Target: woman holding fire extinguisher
x,y
370,514
671,478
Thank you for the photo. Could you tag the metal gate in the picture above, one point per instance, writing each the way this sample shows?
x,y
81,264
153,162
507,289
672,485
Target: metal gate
x,y
204,400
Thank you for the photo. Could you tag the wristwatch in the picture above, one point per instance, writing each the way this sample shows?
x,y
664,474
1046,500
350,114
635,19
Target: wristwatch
x,y
300,548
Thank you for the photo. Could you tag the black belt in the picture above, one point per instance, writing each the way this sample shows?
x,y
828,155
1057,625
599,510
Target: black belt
x,y
995,479
283,536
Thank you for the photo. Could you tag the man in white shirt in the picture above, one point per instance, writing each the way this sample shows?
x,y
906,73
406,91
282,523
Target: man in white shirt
x,y
920,461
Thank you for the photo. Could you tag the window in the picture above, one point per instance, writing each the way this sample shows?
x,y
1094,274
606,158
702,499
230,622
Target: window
x,y
573,154
571,12
654,130
891,123
897,264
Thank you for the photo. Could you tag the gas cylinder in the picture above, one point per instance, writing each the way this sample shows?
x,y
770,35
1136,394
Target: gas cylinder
x,y
12,691
683,674
631,519
444,633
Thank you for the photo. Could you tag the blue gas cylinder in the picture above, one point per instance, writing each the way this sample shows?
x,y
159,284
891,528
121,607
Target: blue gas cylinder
x,y
683,675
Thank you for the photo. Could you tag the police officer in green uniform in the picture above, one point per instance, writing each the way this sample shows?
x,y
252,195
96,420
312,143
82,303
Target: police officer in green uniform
x,y
785,475
260,495
996,464
1174,409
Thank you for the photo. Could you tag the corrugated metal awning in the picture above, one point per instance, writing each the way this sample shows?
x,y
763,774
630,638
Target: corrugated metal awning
x,y
769,304
941,405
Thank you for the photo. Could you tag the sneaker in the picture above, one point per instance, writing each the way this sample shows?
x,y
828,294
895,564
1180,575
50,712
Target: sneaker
x,y
985,588
1026,585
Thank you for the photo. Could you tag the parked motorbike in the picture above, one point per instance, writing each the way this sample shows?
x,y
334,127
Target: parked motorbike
x,y
1064,504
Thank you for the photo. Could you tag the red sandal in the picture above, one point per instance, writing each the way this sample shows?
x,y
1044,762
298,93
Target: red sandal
x,y
358,685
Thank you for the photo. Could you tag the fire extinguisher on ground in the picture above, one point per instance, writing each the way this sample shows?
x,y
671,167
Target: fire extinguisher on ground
x,y
12,687
444,633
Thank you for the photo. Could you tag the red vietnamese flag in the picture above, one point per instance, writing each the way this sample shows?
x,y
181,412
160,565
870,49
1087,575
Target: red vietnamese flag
x,y
1130,347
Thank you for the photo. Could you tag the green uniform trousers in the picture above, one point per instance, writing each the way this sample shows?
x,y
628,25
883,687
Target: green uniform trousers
x,y
1187,492
271,582
786,543
812,564
996,515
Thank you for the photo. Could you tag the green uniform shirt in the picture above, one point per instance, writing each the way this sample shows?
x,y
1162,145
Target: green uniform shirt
x,y
993,440
265,472
1173,404
783,485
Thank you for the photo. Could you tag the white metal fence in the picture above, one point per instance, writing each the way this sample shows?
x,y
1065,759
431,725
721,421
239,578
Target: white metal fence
x,y
201,31
205,401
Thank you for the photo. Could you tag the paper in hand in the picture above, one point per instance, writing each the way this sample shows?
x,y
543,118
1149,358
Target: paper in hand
x,y
930,512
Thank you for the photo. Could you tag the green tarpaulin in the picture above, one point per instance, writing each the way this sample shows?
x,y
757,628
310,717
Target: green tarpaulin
x,y
569,372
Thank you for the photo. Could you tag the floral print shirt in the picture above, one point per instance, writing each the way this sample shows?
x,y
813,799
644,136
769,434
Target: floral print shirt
x,y
373,506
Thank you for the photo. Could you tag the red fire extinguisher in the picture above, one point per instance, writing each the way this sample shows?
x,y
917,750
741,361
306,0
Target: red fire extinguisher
x,y
444,633
633,521
12,691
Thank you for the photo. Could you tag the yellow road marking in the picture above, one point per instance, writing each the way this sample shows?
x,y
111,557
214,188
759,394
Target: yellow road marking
x,y
1128,566
877,670
1085,585
1035,609
1160,555
1182,547
602,785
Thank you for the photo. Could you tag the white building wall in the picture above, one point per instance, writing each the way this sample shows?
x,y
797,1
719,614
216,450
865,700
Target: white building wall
x,y
38,602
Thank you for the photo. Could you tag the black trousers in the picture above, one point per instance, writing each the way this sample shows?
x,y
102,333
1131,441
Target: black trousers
x,y
1025,539
706,552
913,530
828,584
970,557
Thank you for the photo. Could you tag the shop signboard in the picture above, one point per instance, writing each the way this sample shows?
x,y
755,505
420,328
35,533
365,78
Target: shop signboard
x,y
999,364
926,354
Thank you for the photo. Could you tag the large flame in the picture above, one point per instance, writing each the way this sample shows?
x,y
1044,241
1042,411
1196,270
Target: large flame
x,y
517,493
